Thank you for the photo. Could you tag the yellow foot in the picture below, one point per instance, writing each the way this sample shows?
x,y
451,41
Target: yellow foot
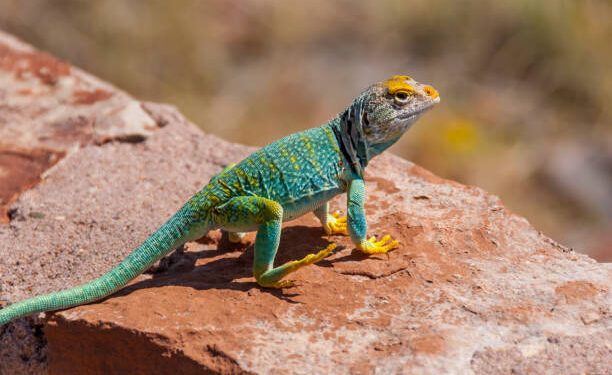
x,y
281,284
235,237
311,258
372,247
335,224
296,265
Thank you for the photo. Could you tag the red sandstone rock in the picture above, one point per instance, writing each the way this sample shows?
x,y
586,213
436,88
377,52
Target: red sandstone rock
x,y
47,109
473,288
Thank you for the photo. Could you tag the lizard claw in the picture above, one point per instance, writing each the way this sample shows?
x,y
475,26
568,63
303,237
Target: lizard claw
x,y
312,258
372,246
335,224
282,284
296,265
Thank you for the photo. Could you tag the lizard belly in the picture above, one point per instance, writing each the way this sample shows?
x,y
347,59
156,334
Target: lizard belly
x,y
294,209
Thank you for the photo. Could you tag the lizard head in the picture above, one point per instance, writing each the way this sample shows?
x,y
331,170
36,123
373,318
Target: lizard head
x,y
382,114
393,106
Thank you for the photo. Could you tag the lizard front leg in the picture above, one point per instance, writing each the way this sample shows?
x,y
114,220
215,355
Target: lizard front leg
x,y
357,225
247,213
332,223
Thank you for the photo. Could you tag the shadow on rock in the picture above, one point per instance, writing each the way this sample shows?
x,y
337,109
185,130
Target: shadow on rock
x,y
221,268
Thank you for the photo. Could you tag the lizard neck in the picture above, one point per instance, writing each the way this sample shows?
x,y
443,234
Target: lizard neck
x,y
348,128
352,141
378,148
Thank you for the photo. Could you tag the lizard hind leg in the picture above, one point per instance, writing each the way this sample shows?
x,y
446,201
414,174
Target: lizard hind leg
x,y
235,237
332,223
265,215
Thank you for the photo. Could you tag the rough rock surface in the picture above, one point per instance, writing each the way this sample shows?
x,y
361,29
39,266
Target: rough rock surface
x,y
472,289
49,109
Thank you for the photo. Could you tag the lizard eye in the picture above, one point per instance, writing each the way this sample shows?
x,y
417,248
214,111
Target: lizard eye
x,y
401,97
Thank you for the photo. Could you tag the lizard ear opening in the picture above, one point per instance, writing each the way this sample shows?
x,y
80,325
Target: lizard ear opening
x,y
365,123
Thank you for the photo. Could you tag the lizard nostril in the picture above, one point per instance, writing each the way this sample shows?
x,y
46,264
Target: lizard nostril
x,y
430,91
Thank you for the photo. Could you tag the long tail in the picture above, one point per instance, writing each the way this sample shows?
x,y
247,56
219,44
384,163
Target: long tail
x,y
177,230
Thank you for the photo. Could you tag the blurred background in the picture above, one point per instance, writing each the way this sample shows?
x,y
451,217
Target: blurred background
x,y
526,86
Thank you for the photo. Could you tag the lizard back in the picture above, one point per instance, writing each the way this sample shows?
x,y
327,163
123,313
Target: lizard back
x,y
300,171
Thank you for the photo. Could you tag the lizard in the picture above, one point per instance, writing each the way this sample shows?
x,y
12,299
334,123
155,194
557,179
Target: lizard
x,y
284,180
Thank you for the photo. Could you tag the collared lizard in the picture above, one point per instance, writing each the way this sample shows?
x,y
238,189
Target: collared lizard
x,y
286,179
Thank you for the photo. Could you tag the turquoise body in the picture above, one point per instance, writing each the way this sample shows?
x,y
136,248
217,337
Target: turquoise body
x,y
284,180
300,172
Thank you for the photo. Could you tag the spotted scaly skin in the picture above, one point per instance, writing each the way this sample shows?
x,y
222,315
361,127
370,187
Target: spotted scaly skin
x,y
286,179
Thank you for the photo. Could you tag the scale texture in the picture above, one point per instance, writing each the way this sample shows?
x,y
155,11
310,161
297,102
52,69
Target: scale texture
x,y
283,181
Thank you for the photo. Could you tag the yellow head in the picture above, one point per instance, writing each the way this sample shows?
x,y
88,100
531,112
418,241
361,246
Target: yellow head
x,y
382,113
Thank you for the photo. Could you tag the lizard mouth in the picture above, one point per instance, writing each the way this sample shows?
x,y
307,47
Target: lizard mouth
x,y
416,112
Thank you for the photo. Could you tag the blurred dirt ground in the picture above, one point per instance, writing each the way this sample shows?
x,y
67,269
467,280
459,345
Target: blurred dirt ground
x,y
525,85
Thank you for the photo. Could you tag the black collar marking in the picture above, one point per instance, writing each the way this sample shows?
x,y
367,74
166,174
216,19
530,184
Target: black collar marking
x,y
351,139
